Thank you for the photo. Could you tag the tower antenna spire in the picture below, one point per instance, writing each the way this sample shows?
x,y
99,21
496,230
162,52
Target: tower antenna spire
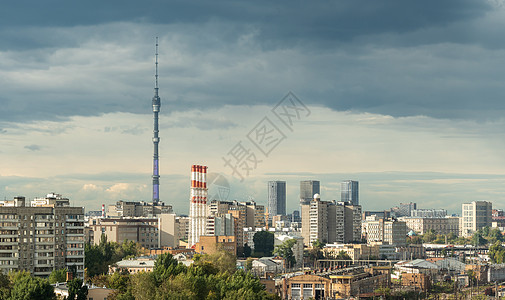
x,y
156,138
156,67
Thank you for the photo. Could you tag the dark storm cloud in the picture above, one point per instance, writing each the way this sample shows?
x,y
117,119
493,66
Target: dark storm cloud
x,y
387,57
279,23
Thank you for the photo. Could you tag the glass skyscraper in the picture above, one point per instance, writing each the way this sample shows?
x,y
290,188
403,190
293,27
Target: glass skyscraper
x,y
276,198
307,190
349,191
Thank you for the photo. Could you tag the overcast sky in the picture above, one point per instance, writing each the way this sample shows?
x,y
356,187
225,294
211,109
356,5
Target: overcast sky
x,y
404,96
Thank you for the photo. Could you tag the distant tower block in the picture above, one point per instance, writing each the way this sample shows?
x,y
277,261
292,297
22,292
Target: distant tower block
x,y
198,204
156,138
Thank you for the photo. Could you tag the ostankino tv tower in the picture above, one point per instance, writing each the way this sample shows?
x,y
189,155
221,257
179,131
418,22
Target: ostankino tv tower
x,y
156,139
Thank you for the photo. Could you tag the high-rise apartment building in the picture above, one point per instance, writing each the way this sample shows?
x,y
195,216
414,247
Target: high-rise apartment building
x,y
331,222
349,191
474,216
46,236
308,188
390,232
276,198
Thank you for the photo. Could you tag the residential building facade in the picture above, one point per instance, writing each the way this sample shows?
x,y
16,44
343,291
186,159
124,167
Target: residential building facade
x,y
474,216
46,236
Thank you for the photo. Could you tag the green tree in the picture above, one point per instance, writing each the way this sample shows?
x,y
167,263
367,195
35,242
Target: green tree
x,y
5,286
247,251
76,289
478,240
166,266
343,255
315,251
58,276
429,236
497,253
249,264
143,286
263,243
33,288
285,250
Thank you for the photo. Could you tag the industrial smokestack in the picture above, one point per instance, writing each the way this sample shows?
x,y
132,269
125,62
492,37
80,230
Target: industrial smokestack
x,y
198,203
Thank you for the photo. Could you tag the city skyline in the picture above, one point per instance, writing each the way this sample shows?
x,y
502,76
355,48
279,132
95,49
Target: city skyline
x,y
410,107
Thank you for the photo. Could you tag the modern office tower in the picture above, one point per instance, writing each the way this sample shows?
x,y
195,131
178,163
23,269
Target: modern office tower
x,y
198,203
276,198
474,216
349,191
405,209
428,213
46,236
308,188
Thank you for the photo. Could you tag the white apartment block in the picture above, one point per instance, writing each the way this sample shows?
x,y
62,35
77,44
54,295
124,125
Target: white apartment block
x,y
445,225
46,236
474,216
331,222
385,231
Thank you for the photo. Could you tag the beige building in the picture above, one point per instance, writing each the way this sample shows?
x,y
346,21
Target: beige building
x,y
355,251
165,230
144,231
445,225
331,221
344,284
390,232
47,236
137,209
211,244
474,216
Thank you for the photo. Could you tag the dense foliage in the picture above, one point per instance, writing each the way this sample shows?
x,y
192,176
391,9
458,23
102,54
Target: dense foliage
x,y
263,243
209,277
483,236
98,257
22,286
285,250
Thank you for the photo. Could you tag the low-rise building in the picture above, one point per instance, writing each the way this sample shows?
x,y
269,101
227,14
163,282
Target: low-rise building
x,y
212,244
419,281
445,225
350,282
144,264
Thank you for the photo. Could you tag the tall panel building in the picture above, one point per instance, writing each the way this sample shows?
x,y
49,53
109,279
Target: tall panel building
x,y
46,236
308,188
349,191
474,216
276,198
